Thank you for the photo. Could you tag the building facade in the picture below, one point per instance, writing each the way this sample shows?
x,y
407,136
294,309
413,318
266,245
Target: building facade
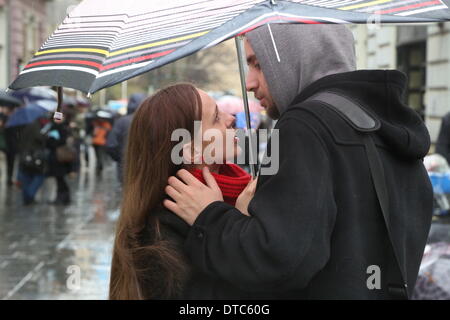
x,y
3,45
422,52
24,26
27,31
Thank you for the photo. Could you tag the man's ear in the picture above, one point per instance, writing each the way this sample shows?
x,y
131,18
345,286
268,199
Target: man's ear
x,y
191,155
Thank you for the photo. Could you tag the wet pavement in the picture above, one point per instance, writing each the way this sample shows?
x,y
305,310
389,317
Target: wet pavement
x,y
57,252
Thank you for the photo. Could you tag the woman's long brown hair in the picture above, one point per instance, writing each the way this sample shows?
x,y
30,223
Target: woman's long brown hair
x,y
154,269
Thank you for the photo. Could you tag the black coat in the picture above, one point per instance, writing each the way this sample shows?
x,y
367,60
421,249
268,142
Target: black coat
x,y
117,138
316,226
32,142
443,141
196,285
31,138
56,168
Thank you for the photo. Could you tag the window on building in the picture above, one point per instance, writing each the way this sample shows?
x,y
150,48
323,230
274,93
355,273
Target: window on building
x,y
411,59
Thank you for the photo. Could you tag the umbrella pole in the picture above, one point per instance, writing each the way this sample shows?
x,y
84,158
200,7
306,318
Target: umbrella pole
x,y
58,116
240,52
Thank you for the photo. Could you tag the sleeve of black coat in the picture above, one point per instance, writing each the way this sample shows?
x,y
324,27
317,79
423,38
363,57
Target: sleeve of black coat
x,y
286,241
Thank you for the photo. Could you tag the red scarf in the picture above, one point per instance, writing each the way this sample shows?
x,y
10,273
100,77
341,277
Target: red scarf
x,y
231,179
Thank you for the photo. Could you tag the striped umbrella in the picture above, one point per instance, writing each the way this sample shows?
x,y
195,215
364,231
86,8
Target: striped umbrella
x,y
101,43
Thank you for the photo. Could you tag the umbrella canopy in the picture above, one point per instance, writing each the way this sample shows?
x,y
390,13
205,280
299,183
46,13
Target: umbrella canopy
x,y
48,105
7,100
25,115
31,95
235,105
103,43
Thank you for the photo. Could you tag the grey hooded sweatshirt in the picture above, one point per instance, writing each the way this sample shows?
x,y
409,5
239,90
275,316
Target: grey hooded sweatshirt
x,y
307,53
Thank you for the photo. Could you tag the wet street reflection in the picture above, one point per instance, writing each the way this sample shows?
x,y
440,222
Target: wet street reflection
x,y
59,252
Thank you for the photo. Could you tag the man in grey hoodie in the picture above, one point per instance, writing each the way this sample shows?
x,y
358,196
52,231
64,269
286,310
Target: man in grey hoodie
x,y
321,227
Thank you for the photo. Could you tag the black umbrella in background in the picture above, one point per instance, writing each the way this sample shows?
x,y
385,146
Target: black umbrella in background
x,y
7,100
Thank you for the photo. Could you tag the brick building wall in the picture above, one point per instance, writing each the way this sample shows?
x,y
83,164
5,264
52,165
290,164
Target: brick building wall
x,y
28,30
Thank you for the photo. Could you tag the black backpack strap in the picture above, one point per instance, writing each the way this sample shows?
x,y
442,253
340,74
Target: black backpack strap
x,y
360,119
350,110
396,290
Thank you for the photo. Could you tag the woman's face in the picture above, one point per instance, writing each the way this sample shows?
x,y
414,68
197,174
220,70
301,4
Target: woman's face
x,y
221,126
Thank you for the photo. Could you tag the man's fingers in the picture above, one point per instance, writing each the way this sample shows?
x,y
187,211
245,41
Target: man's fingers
x,y
188,178
178,185
172,206
209,179
174,194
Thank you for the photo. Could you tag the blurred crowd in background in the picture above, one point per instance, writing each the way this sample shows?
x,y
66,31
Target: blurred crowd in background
x,y
36,148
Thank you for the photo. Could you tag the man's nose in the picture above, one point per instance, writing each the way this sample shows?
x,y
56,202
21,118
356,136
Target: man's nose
x,y
250,83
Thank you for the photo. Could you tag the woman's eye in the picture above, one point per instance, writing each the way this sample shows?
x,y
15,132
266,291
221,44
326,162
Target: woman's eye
x,y
258,66
217,117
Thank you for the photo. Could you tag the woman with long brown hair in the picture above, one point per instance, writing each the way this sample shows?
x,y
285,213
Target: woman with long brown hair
x,y
148,259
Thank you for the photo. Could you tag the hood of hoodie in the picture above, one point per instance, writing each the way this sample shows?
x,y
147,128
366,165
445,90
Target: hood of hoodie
x,y
307,53
134,102
381,92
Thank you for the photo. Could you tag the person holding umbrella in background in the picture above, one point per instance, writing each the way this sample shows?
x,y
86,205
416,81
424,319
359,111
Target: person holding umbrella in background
x,y
34,103
8,103
30,144
101,127
62,159
33,155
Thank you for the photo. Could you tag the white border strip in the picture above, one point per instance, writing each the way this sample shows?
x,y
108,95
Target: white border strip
x,y
133,66
95,73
